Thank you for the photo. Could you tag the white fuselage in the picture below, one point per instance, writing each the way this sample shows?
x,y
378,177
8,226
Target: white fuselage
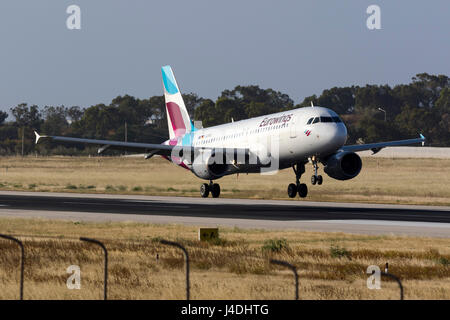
x,y
288,136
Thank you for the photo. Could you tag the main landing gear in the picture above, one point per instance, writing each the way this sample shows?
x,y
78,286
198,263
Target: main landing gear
x,y
298,187
214,188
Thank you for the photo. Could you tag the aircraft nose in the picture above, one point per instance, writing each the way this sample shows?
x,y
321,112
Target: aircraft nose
x,y
335,136
340,135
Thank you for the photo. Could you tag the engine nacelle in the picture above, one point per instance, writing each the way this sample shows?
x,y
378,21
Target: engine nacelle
x,y
208,167
343,165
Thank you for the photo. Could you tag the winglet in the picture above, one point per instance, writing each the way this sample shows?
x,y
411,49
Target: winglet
x,y
38,137
423,139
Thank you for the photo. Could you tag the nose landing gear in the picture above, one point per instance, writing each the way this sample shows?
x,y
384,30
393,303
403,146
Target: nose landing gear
x,y
214,188
316,178
298,187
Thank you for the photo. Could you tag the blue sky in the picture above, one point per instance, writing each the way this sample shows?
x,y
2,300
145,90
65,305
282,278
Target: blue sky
x,y
297,47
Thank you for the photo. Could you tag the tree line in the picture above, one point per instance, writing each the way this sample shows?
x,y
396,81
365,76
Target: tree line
x,y
372,113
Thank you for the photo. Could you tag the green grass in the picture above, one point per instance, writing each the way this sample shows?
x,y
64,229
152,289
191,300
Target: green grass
x,y
339,252
275,245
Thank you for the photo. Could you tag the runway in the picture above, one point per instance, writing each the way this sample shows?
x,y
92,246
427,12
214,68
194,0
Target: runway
x,y
266,214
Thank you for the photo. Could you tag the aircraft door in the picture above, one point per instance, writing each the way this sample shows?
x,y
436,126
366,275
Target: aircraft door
x,y
292,135
292,129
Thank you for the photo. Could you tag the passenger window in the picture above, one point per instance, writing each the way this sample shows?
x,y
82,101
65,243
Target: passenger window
x,y
310,120
316,119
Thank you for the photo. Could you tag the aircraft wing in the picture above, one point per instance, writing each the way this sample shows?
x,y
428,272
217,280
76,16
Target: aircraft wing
x,y
150,149
376,147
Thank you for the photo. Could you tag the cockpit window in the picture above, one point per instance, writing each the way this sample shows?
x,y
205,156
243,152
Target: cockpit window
x,y
326,119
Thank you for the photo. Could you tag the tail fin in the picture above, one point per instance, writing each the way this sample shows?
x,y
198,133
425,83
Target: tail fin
x,y
177,115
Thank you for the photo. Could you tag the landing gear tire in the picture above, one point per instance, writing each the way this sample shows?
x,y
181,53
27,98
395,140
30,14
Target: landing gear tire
x,y
204,190
298,188
316,178
215,190
292,190
302,190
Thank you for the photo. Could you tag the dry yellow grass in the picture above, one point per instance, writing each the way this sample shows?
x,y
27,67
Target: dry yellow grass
x,y
411,181
234,268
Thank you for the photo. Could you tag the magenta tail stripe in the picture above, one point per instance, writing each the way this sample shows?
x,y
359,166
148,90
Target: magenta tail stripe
x,y
176,118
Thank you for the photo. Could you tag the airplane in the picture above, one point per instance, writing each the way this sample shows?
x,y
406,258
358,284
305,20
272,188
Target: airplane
x,y
288,139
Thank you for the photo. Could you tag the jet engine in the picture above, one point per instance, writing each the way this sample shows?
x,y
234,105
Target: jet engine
x,y
209,167
343,165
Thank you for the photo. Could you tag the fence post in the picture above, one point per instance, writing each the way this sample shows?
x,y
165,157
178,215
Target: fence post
x,y
186,258
294,270
400,285
105,283
22,259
